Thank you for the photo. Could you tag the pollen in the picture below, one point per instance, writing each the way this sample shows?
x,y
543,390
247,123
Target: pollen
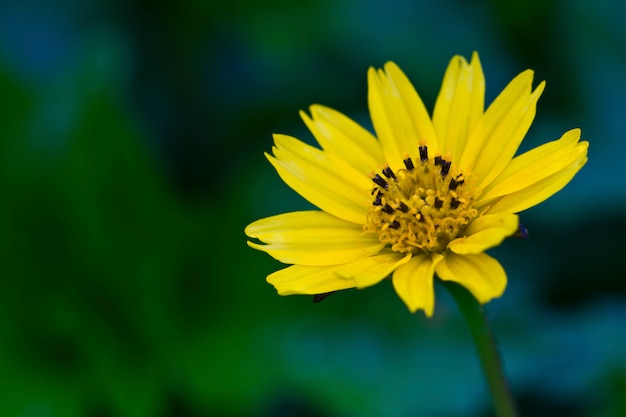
x,y
422,207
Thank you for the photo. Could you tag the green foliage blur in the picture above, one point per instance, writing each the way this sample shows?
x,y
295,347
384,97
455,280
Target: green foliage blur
x,y
131,159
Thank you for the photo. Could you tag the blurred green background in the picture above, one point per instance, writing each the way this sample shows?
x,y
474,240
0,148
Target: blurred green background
x,y
131,141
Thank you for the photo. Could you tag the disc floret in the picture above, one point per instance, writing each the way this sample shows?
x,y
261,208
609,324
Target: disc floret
x,y
422,207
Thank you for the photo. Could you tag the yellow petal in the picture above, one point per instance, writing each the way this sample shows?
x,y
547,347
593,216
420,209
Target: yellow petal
x,y
485,232
500,131
369,271
341,136
536,164
459,105
412,104
413,282
329,183
398,114
312,238
288,147
539,191
481,274
299,279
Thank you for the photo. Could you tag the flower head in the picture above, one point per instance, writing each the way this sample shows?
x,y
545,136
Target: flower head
x,y
422,197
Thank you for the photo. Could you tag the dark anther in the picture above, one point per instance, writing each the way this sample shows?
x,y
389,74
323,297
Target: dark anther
x,y
438,203
454,183
454,203
387,209
394,225
445,168
438,160
423,153
377,201
319,297
380,181
522,232
389,173
408,163
403,207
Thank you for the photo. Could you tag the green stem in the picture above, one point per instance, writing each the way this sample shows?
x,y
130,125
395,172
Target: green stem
x,y
486,348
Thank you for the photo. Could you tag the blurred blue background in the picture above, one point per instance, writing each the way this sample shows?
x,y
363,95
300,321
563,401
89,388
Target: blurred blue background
x,y
131,141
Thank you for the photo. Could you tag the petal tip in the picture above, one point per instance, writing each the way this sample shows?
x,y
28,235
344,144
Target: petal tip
x,y
371,74
428,311
390,64
256,246
303,115
249,230
539,90
458,60
574,132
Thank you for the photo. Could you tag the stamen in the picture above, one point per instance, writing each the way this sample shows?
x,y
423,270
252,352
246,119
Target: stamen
x,y
389,173
387,209
422,208
380,181
445,167
423,153
408,163
455,183
522,232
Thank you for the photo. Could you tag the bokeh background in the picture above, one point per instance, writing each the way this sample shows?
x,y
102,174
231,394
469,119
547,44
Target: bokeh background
x,y
131,158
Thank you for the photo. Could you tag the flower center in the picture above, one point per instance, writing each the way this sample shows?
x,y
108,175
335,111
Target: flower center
x,y
423,207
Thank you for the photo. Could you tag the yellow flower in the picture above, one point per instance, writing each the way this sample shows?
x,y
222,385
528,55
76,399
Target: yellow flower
x,y
423,196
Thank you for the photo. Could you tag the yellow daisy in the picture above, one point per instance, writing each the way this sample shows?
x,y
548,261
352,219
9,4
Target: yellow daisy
x,y
422,197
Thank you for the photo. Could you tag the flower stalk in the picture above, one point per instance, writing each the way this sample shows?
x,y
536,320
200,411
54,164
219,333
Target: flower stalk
x,y
487,349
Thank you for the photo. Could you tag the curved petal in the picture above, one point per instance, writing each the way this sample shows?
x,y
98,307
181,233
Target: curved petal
x,y
500,131
413,105
413,282
481,274
539,191
339,135
299,279
312,238
398,114
324,180
459,105
485,232
536,164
